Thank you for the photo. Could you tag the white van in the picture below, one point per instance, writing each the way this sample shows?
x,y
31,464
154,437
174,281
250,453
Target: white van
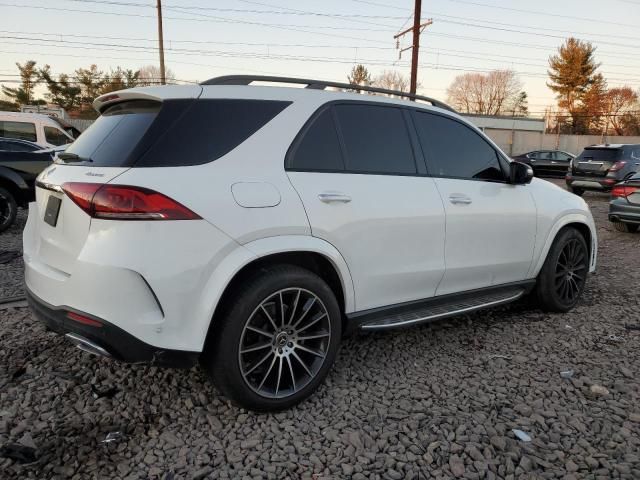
x,y
33,127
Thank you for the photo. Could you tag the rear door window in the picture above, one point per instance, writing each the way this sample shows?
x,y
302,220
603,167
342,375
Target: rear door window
x,y
376,139
318,149
19,130
454,150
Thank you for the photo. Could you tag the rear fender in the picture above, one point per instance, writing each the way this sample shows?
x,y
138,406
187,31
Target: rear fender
x,y
243,255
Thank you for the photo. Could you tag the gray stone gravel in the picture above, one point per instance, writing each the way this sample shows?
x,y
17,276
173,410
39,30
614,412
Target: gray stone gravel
x,y
438,401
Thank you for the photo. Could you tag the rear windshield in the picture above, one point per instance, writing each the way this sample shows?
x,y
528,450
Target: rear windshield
x,y
601,154
172,133
111,139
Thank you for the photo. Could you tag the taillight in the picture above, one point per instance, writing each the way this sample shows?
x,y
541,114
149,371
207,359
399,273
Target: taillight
x,y
623,191
617,166
124,202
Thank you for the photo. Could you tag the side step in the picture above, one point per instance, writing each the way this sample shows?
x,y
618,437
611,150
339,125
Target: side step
x,y
433,309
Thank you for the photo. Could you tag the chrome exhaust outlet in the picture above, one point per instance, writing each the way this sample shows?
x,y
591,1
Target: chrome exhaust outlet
x,y
87,346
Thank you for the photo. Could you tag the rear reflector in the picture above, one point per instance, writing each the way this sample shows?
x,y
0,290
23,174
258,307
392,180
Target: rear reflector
x,y
124,202
623,191
76,317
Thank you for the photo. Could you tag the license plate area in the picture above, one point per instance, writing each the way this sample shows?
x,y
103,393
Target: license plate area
x,y
52,211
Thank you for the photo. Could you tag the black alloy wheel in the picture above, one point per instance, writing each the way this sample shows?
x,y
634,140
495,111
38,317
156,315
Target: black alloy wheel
x,y
563,276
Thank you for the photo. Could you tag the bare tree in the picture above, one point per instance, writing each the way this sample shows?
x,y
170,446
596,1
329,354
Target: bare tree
x,y
150,75
621,102
392,80
493,93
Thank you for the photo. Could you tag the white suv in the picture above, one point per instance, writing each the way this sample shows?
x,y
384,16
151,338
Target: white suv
x,y
252,227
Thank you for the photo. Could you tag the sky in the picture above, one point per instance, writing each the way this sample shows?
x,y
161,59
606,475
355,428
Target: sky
x,y
322,39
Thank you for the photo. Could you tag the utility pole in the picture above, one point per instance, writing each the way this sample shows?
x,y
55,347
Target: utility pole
x,y
163,79
415,46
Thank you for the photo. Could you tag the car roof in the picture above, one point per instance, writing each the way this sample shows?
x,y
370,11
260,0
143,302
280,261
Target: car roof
x,y
612,146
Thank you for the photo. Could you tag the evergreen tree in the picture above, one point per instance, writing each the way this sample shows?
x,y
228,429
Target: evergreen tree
x,y
572,72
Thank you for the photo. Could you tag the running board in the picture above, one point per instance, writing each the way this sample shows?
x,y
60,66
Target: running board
x,y
435,309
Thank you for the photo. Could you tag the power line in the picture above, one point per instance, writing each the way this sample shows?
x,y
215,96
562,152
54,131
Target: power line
x,y
207,42
274,56
538,12
208,19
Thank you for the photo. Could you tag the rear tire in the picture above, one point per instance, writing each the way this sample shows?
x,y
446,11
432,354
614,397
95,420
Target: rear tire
x,y
577,191
8,209
625,227
564,273
276,339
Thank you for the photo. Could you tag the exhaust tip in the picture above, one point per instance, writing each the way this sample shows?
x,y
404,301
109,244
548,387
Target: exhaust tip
x,y
87,345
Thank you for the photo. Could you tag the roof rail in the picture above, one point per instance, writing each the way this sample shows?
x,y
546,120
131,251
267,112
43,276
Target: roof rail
x,y
319,85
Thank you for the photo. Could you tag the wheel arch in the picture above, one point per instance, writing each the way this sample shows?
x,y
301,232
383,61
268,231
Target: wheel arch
x,y
578,221
13,183
307,252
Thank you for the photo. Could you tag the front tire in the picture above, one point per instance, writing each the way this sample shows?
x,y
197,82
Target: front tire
x,y
625,227
8,209
276,339
564,273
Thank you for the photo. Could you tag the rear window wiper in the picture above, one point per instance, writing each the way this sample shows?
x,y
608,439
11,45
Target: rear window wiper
x,y
72,157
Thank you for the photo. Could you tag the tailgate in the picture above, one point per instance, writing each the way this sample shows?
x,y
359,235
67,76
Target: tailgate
x,y
59,227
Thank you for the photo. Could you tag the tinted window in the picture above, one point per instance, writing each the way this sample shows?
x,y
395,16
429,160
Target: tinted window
x,y
376,139
602,154
55,137
110,140
319,147
455,150
208,130
20,130
172,133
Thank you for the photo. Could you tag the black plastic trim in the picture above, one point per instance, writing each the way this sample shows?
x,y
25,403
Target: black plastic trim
x,y
356,319
120,344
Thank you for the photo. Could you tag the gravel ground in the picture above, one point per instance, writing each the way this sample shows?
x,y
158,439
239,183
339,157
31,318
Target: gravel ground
x,y
438,401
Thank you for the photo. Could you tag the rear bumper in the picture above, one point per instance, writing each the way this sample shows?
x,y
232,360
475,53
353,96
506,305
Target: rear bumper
x,y
624,212
591,183
109,339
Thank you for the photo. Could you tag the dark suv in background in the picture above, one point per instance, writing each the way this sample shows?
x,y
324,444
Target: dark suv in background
x,y
600,167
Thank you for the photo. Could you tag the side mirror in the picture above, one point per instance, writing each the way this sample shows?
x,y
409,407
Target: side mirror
x,y
520,173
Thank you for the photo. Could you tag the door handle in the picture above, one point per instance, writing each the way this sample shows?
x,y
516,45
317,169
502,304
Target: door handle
x,y
334,197
459,199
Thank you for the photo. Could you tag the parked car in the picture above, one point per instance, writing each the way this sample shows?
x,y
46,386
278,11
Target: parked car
x,y
34,127
20,164
624,208
600,167
250,227
547,163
